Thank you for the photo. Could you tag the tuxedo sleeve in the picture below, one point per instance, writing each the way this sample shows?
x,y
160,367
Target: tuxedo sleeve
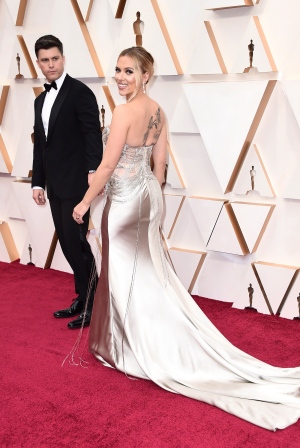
x,y
38,174
88,116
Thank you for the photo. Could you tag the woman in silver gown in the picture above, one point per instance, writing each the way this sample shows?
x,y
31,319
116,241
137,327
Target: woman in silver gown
x,y
144,322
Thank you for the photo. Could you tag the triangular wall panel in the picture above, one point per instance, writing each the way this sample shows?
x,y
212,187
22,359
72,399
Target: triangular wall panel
x,y
153,38
185,234
8,249
38,219
85,7
226,235
187,265
291,306
242,300
275,279
17,9
183,120
172,206
218,104
206,212
262,181
189,35
253,220
235,51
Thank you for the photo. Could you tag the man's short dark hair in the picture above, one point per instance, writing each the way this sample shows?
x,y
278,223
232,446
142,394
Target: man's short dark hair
x,y
46,42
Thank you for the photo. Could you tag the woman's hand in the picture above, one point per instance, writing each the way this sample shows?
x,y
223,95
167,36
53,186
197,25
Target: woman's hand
x,y
79,211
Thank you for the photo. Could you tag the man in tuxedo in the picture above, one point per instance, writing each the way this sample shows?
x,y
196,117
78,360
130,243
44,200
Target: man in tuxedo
x,y
67,151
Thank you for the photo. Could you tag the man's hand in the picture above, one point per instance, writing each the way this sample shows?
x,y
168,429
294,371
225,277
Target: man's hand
x,y
38,195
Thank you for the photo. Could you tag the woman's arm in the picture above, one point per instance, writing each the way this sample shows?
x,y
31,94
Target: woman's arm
x,y
117,138
159,155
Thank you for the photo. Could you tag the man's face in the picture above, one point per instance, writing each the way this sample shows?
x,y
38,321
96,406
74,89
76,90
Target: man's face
x,y
51,62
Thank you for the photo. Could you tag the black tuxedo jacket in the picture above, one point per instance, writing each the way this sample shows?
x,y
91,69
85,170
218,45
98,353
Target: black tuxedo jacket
x,y
74,142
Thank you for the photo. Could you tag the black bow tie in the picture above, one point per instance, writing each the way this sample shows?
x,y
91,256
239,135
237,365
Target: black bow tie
x,y
48,86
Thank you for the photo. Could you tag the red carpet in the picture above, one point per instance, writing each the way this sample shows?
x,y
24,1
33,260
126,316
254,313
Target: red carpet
x,y
46,406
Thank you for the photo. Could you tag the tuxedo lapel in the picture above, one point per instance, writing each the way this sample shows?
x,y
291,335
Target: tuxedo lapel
x,y
63,91
39,106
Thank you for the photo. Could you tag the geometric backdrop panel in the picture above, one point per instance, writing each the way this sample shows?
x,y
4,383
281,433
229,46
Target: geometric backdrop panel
x,y
219,106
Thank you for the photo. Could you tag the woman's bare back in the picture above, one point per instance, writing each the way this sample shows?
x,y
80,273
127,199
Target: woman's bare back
x,y
147,120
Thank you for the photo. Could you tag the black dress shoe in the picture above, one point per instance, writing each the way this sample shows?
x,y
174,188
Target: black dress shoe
x,y
83,318
76,308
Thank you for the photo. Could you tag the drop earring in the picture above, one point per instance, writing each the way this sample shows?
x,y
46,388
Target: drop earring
x,y
144,88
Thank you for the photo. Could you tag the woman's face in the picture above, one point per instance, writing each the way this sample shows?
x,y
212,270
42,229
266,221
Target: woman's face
x,y
125,76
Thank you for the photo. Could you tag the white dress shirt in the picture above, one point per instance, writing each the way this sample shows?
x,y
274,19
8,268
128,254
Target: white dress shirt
x,y
49,101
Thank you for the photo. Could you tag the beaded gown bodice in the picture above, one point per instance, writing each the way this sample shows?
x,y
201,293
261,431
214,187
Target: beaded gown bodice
x,y
132,169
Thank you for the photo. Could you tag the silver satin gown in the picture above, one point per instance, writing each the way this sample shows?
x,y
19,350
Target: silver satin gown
x,y
146,324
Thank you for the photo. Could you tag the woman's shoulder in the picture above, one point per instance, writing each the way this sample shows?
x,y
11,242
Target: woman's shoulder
x,y
121,113
120,108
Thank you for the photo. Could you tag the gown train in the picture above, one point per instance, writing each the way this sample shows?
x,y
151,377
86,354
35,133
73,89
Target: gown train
x,y
146,324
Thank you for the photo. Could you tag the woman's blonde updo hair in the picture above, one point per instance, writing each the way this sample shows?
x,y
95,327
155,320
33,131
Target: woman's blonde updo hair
x,y
143,63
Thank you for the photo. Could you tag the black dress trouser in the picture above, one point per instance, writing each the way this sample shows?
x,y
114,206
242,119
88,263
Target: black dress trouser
x,y
74,244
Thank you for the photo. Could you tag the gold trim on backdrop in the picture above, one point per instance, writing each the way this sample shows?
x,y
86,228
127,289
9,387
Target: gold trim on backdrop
x,y
265,224
209,199
27,56
91,224
4,95
88,13
23,181
9,241
5,155
246,4
163,239
120,9
189,251
38,90
215,46
175,164
51,251
287,292
92,227
276,265
197,272
21,12
87,39
261,287
253,128
166,35
199,265
264,169
98,244
176,216
109,98
265,43
263,229
237,230
265,263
